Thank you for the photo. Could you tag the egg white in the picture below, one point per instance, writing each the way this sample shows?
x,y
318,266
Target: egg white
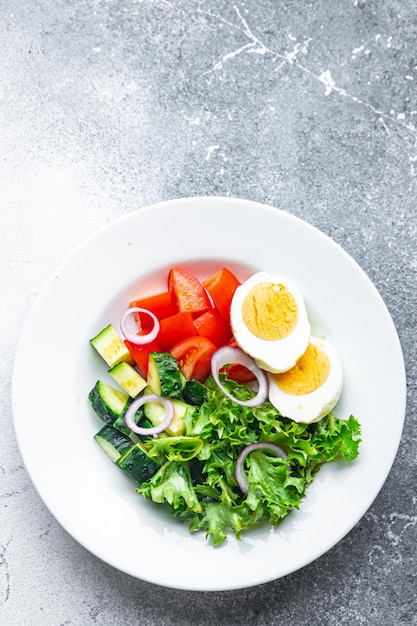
x,y
272,355
311,407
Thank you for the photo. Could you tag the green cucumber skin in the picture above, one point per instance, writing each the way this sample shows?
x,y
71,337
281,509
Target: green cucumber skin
x,y
120,425
100,402
194,392
164,376
138,465
155,413
113,442
144,422
110,414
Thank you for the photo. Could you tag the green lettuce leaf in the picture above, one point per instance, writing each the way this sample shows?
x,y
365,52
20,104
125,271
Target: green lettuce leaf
x,y
337,439
174,448
217,519
172,484
272,486
197,475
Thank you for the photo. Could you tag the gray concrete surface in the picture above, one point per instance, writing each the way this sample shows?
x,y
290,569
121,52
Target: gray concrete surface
x,y
109,105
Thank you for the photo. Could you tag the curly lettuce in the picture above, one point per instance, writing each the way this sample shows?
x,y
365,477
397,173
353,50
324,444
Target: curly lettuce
x,y
197,475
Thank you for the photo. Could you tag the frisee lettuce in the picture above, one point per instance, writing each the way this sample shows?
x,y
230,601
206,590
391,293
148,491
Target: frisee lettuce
x,y
197,480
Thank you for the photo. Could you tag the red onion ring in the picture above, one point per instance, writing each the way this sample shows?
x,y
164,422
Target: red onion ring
x,y
134,337
240,474
229,354
136,404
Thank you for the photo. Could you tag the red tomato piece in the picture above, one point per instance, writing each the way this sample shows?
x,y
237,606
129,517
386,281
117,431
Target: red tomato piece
x,y
238,372
159,304
187,293
213,326
140,353
174,329
194,357
221,287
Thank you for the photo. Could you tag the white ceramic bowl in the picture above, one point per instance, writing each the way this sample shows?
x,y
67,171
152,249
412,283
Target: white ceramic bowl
x,y
55,368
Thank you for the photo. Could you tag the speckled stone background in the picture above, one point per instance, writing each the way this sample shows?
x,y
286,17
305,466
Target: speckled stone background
x,y
109,105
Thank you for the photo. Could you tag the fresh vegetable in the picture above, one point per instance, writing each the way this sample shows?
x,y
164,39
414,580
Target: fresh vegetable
x,y
137,464
140,417
128,378
159,304
213,326
167,405
175,328
113,442
176,448
172,484
227,355
155,412
110,346
221,287
194,392
266,446
187,293
239,373
236,371
139,338
140,353
164,376
108,402
194,357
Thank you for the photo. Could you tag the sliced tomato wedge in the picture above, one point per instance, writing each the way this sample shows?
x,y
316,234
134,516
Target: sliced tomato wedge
x,y
140,353
175,328
238,372
187,293
158,304
221,287
194,357
213,326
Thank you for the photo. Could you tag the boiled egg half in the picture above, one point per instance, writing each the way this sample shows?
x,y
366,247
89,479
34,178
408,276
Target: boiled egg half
x,y
269,321
309,391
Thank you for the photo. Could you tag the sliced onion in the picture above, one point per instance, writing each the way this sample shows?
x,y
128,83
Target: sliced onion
x,y
136,404
226,356
240,474
134,337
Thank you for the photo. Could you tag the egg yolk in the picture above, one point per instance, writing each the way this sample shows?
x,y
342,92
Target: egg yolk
x,y
310,372
270,311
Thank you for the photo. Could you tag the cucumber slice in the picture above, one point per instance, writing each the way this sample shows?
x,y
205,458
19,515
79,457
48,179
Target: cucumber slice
x,y
138,464
194,392
164,376
128,378
113,442
155,413
109,403
120,424
111,346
